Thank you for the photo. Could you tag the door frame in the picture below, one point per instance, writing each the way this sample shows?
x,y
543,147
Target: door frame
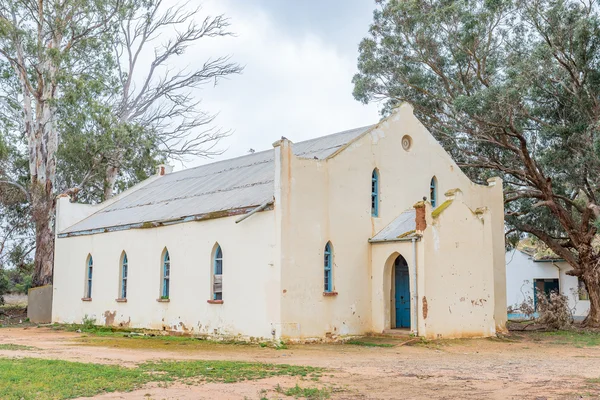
x,y
393,322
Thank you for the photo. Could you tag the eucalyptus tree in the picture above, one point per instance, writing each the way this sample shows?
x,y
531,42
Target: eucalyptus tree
x,y
158,97
510,88
80,100
46,42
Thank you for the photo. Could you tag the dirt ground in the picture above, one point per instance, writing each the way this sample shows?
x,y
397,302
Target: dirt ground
x,y
522,367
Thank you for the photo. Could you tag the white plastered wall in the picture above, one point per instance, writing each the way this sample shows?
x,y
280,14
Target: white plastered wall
x,y
454,275
457,293
250,277
329,200
522,270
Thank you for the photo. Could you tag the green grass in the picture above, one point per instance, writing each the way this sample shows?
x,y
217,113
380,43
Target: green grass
x,y
225,371
369,344
571,338
144,338
307,393
10,346
96,329
32,378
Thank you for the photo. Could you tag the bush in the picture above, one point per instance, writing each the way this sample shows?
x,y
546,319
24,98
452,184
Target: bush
x,y
88,322
4,285
554,310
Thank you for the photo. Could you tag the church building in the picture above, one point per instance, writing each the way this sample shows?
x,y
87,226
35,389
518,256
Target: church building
x,y
364,231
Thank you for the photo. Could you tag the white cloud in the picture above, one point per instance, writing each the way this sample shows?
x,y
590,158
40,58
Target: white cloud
x,y
298,87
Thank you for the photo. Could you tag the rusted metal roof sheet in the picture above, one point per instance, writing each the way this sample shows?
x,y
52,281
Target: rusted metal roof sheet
x,y
207,191
402,228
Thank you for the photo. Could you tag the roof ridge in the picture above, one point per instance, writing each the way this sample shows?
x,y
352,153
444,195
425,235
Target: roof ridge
x,y
221,170
268,150
192,196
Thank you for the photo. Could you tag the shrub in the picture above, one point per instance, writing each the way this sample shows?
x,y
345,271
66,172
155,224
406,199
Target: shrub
x,y
554,310
4,285
88,322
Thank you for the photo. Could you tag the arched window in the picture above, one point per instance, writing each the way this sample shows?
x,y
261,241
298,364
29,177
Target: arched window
x,y
218,274
89,273
375,193
123,275
166,275
433,191
328,261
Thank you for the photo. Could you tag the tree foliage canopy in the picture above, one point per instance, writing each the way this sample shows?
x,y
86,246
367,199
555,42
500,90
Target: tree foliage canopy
x,y
83,111
510,88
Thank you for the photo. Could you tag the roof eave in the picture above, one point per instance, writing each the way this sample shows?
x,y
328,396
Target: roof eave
x,y
167,222
402,239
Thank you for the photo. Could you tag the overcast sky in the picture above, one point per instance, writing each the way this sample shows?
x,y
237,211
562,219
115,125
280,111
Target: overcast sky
x,y
299,59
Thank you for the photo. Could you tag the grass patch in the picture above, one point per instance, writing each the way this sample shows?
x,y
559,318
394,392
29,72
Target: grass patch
x,y
369,344
571,338
307,393
160,342
10,346
32,378
97,330
118,337
225,371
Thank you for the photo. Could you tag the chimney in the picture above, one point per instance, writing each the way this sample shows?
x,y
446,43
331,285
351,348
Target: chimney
x,y
420,221
164,169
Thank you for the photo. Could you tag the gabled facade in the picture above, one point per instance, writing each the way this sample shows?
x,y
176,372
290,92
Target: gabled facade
x,y
362,231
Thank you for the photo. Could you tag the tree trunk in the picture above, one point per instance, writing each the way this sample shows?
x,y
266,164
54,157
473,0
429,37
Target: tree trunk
x,y
591,277
43,206
109,181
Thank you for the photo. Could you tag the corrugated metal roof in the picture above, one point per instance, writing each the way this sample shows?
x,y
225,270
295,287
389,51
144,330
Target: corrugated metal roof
x,y
212,188
403,227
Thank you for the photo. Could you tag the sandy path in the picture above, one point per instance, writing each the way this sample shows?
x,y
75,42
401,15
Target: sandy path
x,y
474,369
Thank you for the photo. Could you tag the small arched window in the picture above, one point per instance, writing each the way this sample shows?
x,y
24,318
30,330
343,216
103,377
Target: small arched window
x,y
375,193
328,262
433,191
89,273
166,275
218,274
123,276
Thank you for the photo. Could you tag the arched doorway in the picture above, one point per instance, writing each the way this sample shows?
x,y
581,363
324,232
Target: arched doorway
x,y
401,285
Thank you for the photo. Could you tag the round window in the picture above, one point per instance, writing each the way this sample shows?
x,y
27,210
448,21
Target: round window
x,y
406,142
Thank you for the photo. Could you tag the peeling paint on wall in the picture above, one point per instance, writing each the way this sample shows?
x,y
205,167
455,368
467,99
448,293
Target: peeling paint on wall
x,y
377,134
425,308
109,317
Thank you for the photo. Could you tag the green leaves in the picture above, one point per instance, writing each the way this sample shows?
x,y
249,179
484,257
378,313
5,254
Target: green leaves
x,y
510,88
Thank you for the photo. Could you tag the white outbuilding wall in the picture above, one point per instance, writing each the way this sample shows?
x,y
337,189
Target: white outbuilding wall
x,y
522,270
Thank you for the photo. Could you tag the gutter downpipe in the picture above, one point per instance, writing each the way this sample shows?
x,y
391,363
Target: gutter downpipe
x,y
257,209
415,297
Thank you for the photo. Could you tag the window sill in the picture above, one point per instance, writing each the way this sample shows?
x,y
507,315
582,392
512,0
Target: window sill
x,y
86,299
214,301
330,294
121,300
163,300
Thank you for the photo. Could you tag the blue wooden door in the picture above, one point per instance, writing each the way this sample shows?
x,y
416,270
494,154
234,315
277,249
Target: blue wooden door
x,y
402,295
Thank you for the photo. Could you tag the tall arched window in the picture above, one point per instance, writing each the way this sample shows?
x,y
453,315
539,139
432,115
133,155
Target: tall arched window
x,y
166,275
375,193
328,262
89,273
123,281
218,274
433,191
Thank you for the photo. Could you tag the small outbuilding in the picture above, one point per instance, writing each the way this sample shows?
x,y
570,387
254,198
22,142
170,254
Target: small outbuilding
x,y
532,269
